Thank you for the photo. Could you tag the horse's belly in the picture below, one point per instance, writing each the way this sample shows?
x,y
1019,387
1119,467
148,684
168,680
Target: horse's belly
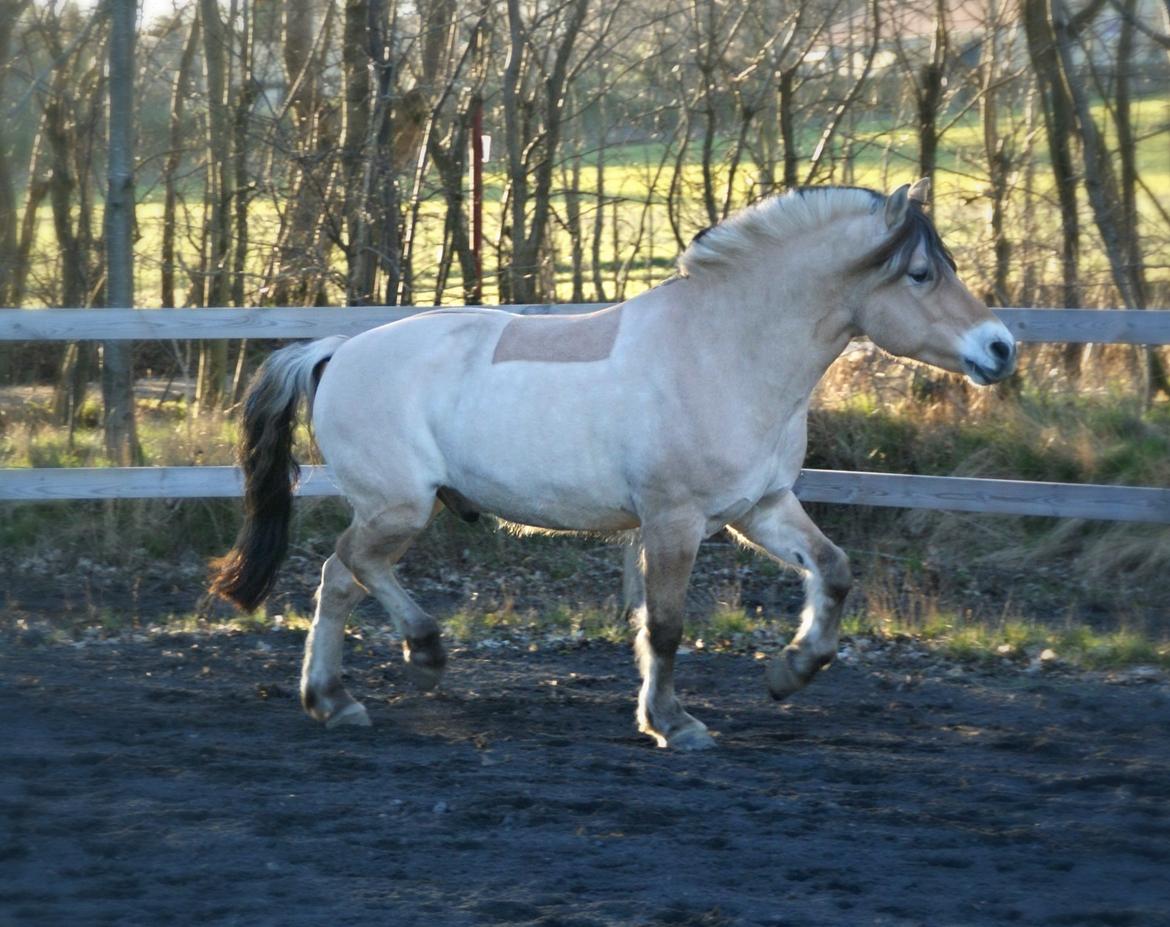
x,y
542,497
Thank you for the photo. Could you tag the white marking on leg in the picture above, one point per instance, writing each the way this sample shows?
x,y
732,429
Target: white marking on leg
x,y
669,556
337,595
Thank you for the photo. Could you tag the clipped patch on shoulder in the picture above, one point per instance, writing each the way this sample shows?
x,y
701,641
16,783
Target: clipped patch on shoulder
x,y
559,339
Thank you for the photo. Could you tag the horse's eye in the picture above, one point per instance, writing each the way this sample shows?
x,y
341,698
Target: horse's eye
x,y
919,276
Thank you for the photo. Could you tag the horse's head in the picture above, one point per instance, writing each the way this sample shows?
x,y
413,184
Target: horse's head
x,y
910,302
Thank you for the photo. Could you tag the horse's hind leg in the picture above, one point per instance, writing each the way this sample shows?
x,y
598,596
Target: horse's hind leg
x,y
668,558
370,549
633,578
322,693
780,526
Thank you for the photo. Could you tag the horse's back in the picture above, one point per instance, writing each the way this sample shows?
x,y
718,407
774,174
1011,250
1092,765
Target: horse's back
x,y
503,408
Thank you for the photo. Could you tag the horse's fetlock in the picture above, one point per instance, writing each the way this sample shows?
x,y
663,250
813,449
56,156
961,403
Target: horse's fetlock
x,y
329,701
426,651
665,637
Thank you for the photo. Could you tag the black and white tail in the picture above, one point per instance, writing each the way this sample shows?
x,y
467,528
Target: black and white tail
x,y
247,573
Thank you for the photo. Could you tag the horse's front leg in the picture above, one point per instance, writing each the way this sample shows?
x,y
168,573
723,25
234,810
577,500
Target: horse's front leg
x,y
668,556
781,528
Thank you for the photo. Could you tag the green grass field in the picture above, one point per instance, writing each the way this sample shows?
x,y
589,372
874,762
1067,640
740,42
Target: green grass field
x,y
639,245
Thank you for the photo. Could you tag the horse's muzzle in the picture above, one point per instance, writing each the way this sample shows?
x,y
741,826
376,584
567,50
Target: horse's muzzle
x,y
989,353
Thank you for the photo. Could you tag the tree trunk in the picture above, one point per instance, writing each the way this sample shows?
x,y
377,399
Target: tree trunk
x,y
122,446
219,139
298,260
61,140
707,158
176,126
1127,146
788,127
242,185
62,186
930,95
10,10
998,161
1058,125
356,69
1100,178
1113,209
213,372
450,160
572,184
599,201
518,271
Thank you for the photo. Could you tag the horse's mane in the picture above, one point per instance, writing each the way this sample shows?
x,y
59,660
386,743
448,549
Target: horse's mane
x,y
777,218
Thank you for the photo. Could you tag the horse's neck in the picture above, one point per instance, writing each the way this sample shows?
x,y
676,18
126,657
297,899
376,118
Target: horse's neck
x,y
784,334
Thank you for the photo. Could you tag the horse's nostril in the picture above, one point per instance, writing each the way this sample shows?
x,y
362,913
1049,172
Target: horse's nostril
x,y
1000,349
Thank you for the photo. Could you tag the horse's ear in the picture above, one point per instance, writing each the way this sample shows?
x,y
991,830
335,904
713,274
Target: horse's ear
x,y
897,205
920,192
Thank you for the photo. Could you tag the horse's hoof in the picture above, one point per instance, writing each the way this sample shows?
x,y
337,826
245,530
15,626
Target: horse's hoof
x,y
783,679
352,715
691,738
423,677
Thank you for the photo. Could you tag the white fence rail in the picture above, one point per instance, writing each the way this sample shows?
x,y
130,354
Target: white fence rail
x,y
960,494
1081,326
1004,497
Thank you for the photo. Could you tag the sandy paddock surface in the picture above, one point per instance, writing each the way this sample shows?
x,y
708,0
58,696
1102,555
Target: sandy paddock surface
x,y
173,780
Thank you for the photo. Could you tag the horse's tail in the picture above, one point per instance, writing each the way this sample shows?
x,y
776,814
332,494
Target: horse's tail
x,y
247,573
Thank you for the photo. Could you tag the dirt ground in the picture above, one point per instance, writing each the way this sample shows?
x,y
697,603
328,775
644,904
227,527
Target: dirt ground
x,y
173,780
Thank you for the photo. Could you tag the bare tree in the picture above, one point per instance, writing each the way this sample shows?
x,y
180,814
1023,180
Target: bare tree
x,y
1058,125
532,144
448,139
996,150
927,83
72,101
242,187
1114,207
852,95
10,12
212,378
117,356
180,89
299,267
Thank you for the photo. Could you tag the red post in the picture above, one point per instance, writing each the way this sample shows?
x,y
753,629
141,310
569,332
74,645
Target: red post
x,y
477,197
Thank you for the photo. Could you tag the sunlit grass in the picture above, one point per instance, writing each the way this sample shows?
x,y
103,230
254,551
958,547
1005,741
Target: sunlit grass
x,y
557,623
724,624
1016,641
